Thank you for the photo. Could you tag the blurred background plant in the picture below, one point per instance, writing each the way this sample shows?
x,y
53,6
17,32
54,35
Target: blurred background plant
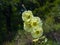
x,y
11,24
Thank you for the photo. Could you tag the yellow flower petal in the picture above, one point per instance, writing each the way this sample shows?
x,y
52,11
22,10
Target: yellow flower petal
x,y
37,32
35,21
26,15
27,26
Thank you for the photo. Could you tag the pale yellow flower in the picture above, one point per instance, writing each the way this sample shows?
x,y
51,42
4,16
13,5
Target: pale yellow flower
x,y
27,26
37,32
27,15
36,21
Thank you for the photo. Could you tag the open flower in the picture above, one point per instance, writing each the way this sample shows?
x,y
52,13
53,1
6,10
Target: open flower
x,y
35,21
26,15
27,26
37,32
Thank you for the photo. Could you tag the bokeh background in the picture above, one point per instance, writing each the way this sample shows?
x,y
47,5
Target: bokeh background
x,y
11,24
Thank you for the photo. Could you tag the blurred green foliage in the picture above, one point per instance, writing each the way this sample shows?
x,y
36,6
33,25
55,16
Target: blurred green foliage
x,y
11,21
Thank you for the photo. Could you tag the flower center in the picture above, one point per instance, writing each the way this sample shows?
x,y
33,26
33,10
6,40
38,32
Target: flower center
x,y
28,17
37,32
29,25
34,23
